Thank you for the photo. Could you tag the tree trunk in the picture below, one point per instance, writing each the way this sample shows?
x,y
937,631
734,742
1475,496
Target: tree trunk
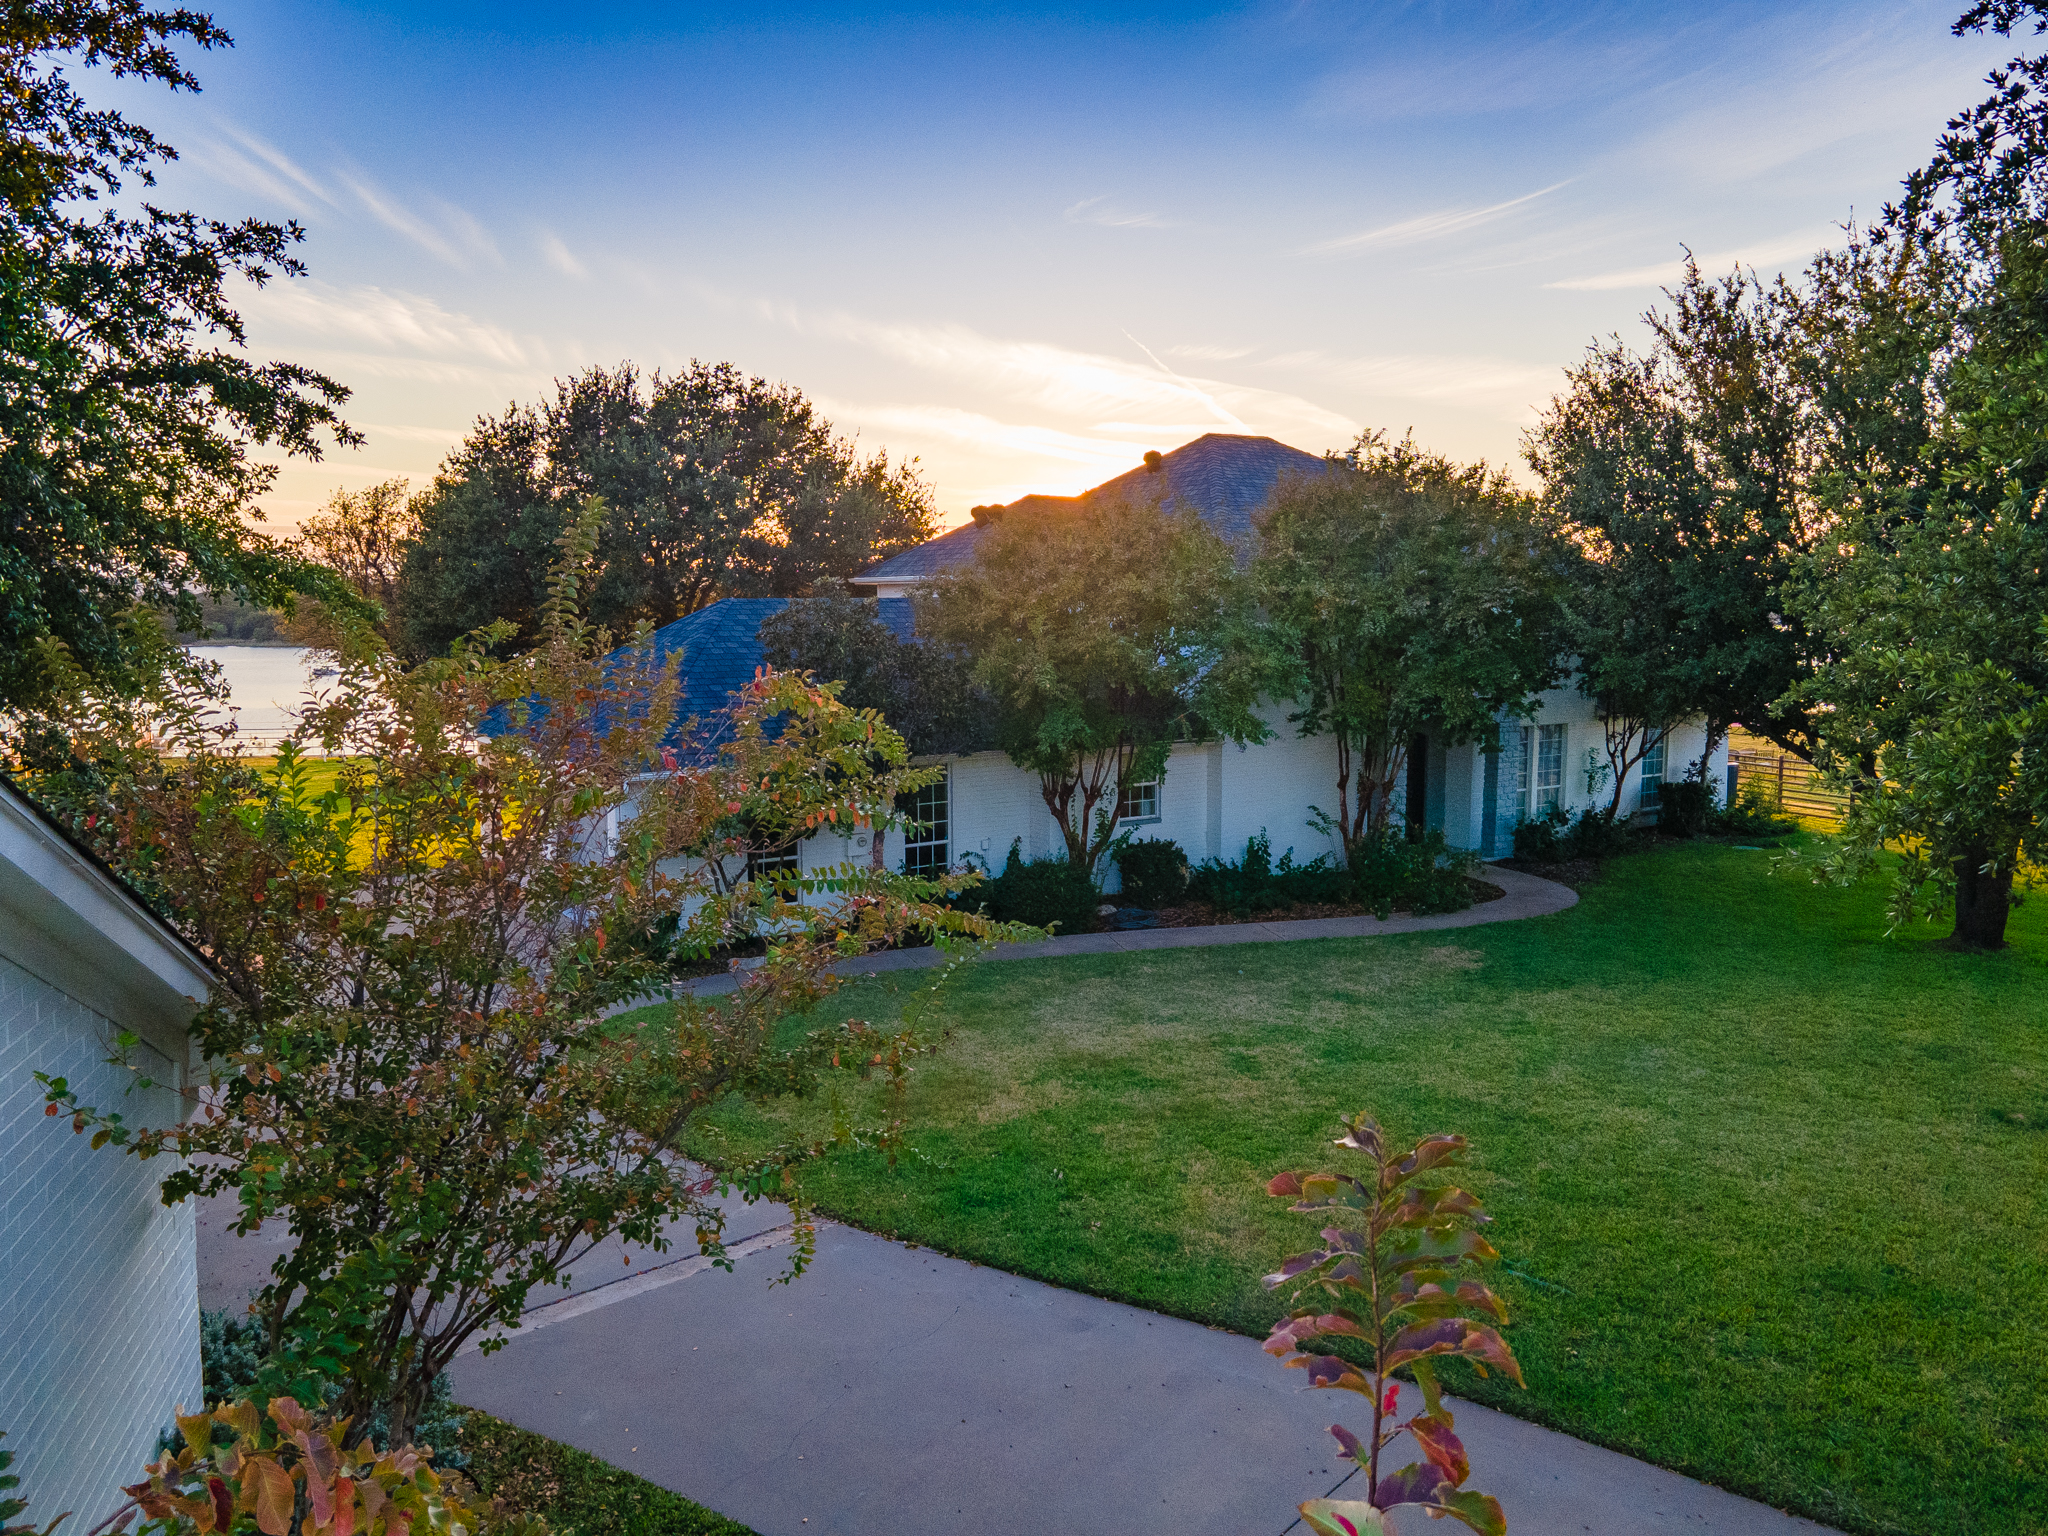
x,y
1983,900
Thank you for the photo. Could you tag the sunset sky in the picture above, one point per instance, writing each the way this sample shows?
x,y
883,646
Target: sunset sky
x,y
1027,245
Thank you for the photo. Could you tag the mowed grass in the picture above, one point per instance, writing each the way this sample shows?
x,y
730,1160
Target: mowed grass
x,y
1769,1186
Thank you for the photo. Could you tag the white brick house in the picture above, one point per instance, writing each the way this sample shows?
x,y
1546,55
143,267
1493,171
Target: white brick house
x,y
1214,796
99,1302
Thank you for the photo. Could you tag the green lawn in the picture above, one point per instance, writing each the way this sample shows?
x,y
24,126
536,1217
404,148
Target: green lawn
x,y
578,1493
1770,1183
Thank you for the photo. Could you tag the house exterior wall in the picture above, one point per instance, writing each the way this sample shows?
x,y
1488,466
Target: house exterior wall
x,y
1216,796
98,1280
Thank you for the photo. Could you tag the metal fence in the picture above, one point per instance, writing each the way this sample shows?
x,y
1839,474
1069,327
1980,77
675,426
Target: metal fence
x,y
1790,784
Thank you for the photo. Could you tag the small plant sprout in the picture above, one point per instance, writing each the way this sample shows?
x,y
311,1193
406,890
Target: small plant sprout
x,y
1405,1291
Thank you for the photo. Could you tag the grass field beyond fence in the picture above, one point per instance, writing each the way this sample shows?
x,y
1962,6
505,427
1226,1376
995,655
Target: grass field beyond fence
x,y
1769,1186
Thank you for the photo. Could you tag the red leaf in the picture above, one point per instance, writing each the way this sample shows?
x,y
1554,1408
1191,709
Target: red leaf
x,y
1440,1445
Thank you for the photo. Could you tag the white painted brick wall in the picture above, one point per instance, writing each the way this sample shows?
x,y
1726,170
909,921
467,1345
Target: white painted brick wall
x,y
99,1319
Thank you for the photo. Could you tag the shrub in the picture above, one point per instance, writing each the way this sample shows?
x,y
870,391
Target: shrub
x,y
1420,875
1686,807
1406,1293
1755,813
1155,872
232,1357
1596,834
1388,872
1537,840
1052,890
1552,836
1253,884
276,1468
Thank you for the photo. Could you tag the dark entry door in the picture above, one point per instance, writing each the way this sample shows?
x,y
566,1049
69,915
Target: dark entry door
x,y
1418,786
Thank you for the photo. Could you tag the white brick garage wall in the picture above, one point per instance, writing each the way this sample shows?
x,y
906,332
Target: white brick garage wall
x,y
98,1281
99,1297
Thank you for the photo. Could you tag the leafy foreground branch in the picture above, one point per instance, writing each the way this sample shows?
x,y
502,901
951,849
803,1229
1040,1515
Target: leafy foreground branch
x,y
275,1469
1406,1294
412,1060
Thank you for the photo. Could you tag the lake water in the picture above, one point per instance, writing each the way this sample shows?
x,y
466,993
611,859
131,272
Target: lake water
x,y
267,685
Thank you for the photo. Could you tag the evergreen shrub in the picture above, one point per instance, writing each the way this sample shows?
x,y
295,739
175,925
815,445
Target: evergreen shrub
x,y
1387,874
1042,892
1686,808
1155,872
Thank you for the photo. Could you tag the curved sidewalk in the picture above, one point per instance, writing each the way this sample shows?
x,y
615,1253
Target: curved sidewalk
x,y
1527,896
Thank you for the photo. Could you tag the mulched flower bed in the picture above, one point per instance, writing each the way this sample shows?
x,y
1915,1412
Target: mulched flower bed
x,y
1198,914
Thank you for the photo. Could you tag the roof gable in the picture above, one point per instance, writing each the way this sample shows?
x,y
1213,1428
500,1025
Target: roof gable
x,y
1223,478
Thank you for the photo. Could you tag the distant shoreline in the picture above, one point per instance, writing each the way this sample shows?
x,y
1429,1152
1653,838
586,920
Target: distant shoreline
x,y
249,645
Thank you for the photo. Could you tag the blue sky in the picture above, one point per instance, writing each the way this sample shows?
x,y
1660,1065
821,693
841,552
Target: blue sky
x,y
1025,244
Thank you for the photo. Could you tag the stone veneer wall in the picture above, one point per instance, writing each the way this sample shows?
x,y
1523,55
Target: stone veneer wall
x,y
99,1322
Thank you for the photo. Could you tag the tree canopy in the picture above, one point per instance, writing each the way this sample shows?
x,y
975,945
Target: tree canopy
x,y
717,484
1397,593
1932,590
1813,506
413,1061
1092,628
363,537
925,692
128,410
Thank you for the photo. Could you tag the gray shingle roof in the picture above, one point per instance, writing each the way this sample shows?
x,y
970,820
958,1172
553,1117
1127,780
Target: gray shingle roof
x,y
1224,478
721,648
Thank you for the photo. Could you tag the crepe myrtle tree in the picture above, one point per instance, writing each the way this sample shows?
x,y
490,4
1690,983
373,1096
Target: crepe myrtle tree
x,y
1400,1280
412,1058
1395,593
1092,628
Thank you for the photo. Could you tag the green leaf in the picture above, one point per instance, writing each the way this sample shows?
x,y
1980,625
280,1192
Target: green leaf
x,y
1343,1517
1479,1510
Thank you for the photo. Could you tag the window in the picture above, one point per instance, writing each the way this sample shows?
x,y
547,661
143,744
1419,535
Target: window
x,y
1139,802
1518,739
1549,767
927,841
764,862
1653,776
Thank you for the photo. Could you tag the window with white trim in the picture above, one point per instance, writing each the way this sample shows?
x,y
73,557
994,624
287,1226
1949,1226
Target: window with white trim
x,y
1653,776
1519,738
1549,767
1139,802
927,840
765,862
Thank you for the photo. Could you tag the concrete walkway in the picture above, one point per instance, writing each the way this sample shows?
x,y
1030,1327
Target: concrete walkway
x,y
893,1391
1527,896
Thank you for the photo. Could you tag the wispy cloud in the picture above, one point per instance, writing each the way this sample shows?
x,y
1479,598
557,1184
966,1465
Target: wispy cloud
x,y
388,321
437,226
560,257
410,434
1221,412
1426,226
243,160
1083,386
1110,455
1100,210
1765,254
1503,388
1209,354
